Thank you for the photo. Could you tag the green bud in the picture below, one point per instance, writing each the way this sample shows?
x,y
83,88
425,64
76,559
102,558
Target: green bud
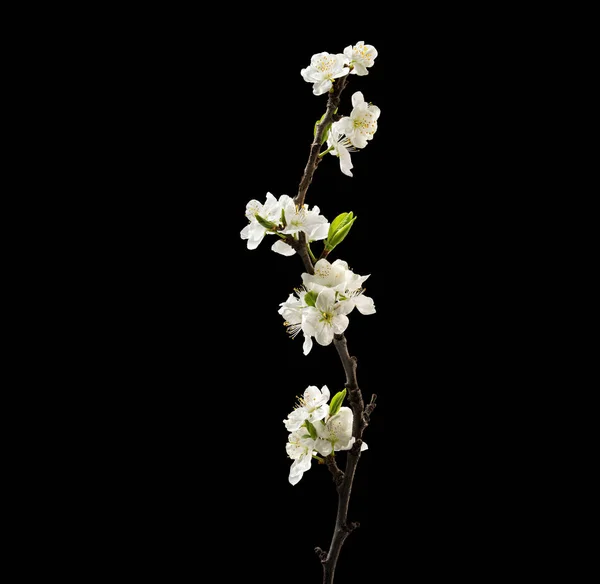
x,y
311,298
266,224
336,402
338,222
311,430
340,235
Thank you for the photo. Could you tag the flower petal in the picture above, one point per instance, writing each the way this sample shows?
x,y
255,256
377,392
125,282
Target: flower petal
x,y
323,446
281,247
324,335
359,69
339,324
357,99
322,87
364,304
345,161
308,344
244,233
325,300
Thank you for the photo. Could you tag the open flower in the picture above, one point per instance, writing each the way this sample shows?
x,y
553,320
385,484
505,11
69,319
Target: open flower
x,y
360,56
323,69
312,406
300,449
362,123
326,318
336,433
337,276
292,311
327,275
254,232
339,145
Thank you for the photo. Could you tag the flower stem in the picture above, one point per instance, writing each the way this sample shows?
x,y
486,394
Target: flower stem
x,y
325,152
312,255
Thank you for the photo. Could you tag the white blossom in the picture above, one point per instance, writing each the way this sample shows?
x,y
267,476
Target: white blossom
x,y
312,406
323,69
337,276
292,311
360,56
326,318
339,145
310,221
300,448
336,433
360,126
254,232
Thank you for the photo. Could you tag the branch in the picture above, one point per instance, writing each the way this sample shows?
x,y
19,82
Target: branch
x,y
361,420
338,475
333,103
300,246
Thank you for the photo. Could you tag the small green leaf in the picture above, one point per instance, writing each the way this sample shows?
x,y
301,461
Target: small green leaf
x,y
266,224
283,221
306,436
311,430
336,402
335,224
311,298
340,235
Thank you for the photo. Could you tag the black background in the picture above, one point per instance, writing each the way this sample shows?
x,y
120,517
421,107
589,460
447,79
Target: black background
x,y
198,476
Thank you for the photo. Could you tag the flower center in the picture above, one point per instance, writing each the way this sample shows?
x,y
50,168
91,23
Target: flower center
x,y
327,317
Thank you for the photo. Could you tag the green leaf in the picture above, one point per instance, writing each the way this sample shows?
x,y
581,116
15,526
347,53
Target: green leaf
x,y
283,221
340,235
311,298
266,224
336,402
335,224
311,430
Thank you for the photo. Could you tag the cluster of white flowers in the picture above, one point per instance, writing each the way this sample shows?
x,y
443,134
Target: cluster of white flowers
x,y
325,68
352,132
320,308
284,217
317,427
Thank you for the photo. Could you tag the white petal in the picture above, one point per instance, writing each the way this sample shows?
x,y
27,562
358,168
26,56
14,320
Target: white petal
x,y
339,324
364,447
253,242
359,140
348,52
308,343
283,248
325,392
319,232
323,446
324,335
345,162
244,233
325,300
344,307
357,99
341,73
359,69
375,111
364,304
322,87
295,478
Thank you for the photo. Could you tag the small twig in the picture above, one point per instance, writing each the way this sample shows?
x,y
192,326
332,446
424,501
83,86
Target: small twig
x,y
338,475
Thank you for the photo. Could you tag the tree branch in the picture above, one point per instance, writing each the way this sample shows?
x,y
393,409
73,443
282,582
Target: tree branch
x,y
361,420
343,480
333,103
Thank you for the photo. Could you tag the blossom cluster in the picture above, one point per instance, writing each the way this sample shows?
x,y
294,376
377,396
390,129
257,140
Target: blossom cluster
x,y
324,68
319,309
282,217
317,428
